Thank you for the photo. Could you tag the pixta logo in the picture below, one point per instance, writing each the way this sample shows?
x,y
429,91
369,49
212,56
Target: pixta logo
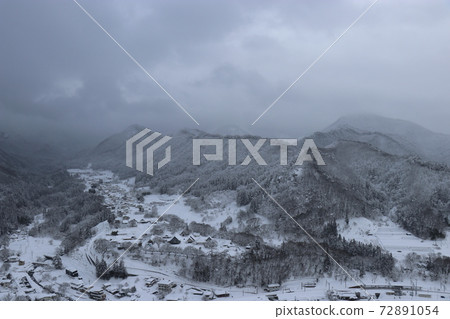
x,y
142,140
153,141
253,149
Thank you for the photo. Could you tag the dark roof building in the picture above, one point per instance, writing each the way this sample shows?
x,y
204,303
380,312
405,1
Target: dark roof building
x,y
185,232
174,241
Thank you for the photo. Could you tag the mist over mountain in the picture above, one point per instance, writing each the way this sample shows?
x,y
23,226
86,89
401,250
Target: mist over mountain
x,y
8,167
391,134
375,167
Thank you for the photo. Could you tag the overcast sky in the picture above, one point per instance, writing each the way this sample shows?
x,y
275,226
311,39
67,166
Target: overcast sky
x,y
225,62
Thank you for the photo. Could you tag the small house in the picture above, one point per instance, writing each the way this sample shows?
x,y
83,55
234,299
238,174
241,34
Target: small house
x,y
221,294
25,283
272,287
5,282
195,291
174,241
149,282
190,240
72,272
185,233
13,259
97,295
77,286
165,286
309,284
133,223
272,297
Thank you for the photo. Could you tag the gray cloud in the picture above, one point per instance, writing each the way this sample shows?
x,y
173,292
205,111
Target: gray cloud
x,y
225,61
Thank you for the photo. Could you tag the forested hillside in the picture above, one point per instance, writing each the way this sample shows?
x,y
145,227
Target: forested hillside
x,y
370,174
68,211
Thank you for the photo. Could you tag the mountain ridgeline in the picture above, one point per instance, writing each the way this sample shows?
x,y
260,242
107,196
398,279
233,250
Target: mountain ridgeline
x,y
375,167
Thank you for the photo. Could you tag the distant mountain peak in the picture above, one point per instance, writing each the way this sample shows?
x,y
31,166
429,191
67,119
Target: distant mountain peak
x,y
134,128
377,123
417,139
231,130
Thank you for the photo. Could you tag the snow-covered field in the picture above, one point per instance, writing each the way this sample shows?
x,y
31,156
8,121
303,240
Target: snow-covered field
x,y
391,237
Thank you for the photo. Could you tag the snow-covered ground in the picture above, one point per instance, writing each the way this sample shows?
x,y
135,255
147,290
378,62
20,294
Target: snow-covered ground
x,y
391,237
144,282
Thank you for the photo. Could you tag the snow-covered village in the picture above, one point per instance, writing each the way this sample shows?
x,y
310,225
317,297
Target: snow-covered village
x,y
158,239
245,158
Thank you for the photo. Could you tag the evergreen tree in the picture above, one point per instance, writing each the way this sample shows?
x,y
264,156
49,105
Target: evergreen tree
x,y
57,262
100,269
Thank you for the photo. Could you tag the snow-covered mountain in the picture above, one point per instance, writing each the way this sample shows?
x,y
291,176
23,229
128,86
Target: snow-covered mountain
x,y
409,137
231,130
372,170
110,154
381,141
8,167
